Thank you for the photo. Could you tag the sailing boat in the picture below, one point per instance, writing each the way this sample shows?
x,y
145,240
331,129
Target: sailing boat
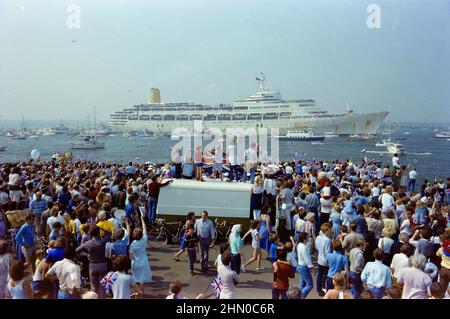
x,y
386,143
89,142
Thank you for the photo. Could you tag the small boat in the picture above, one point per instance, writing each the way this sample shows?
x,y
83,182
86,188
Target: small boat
x,y
301,135
384,143
2,148
442,135
88,143
407,133
317,143
396,149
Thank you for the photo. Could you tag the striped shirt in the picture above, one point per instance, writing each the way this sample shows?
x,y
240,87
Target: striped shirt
x,y
38,206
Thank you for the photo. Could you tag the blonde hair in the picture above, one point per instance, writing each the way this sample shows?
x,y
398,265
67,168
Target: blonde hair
x,y
257,181
310,216
339,281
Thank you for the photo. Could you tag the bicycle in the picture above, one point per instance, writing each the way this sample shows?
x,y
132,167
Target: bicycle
x,y
160,234
222,229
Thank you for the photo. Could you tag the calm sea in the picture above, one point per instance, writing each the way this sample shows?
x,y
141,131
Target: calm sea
x,y
431,156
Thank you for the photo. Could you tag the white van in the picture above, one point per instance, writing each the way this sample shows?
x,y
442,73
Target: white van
x,y
222,200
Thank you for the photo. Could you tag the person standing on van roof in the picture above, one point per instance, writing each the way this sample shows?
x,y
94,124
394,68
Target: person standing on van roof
x,y
206,234
153,193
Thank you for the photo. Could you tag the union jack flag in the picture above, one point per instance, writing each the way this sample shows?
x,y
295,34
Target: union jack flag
x,y
108,280
216,284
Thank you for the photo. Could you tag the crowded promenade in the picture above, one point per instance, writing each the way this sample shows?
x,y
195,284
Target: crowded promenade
x,y
316,229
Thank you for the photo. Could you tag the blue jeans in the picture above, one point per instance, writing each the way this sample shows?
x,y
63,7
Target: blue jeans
x,y
378,293
192,254
306,281
411,185
66,295
329,283
355,280
252,175
152,202
321,277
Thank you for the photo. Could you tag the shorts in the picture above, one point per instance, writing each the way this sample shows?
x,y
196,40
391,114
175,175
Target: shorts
x,y
198,164
27,252
217,167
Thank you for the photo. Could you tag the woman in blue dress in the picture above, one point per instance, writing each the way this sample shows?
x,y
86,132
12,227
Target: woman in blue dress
x,y
264,230
335,218
140,267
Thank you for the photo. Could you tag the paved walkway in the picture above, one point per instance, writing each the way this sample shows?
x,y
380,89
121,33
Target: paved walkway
x,y
253,284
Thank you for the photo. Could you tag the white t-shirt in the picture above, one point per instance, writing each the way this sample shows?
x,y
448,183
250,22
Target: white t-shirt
x,y
231,152
412,175
395,162
228,278
375,191
289,169
325,205
14,179
15,196
399,261
387,200
51,220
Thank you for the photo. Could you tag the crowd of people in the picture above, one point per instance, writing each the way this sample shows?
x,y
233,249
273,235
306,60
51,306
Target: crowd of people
x,y
361,230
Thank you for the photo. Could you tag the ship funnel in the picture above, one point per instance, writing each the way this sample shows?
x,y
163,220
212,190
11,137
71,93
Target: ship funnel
x,y
154,97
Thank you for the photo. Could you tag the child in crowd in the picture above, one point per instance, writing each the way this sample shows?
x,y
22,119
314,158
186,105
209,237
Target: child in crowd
x,y
255,245
223,248
273,240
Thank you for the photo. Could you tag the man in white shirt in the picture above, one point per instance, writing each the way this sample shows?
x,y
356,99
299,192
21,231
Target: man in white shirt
x,y
396,161
412,180
68,274
400,260
387,200
323,246
251,159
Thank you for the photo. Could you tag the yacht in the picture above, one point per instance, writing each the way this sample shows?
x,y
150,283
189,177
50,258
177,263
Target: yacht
x,y
264,109
2,148
301,136
88,143
396,148
442,135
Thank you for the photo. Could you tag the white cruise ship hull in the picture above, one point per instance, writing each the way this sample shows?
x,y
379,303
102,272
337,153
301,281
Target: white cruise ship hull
x,y
265,109
346,124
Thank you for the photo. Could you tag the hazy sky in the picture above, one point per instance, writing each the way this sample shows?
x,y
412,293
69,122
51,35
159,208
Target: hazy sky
x,y
209,51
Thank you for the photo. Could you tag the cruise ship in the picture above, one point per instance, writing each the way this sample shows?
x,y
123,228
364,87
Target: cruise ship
x,y
265,109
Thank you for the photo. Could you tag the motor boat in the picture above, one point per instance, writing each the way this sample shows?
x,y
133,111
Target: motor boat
x,y
442,135
301,135
2,148
396,149
88,143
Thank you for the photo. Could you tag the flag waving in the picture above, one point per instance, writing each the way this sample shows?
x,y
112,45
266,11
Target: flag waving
x,y
109,280
216,284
